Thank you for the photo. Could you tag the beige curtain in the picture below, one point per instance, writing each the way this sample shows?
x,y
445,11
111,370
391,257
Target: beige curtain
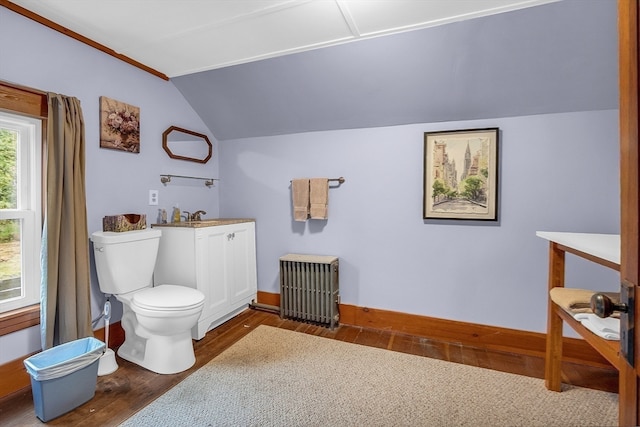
x,y
66,300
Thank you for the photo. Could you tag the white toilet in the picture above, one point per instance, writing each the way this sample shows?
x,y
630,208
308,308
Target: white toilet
x,y
157,321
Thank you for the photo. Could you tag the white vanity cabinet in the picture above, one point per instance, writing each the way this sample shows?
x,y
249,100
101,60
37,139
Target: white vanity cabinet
x,y
217,257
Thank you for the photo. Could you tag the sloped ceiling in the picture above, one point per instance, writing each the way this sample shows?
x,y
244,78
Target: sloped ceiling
x,y
179,37
269,67
557,57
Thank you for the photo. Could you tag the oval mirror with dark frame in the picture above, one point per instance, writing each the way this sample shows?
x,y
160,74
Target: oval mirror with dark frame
x,y
187,145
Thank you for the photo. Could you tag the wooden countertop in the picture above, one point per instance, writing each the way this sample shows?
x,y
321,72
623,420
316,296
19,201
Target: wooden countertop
x,y
212,222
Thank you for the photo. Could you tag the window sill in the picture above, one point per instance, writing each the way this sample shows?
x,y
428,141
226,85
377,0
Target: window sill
x,y
22,318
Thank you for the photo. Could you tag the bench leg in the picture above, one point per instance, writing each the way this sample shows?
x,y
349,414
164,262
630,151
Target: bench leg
x,y
553,360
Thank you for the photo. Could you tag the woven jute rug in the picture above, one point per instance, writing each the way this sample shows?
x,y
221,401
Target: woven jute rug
x,y
276,377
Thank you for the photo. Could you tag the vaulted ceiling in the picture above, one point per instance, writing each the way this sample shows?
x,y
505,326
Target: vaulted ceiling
x,y
179,37
553,58
256,67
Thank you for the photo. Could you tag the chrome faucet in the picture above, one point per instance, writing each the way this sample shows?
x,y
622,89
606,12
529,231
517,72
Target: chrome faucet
x,y
196,215
186,217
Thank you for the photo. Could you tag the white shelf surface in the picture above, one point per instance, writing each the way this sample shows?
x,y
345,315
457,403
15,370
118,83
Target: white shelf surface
x,y
603,246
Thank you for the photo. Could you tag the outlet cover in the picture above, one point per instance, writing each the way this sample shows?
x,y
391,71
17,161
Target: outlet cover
x,y
153,197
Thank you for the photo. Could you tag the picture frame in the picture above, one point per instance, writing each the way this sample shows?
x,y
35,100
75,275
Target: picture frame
x,y
461,174
119,125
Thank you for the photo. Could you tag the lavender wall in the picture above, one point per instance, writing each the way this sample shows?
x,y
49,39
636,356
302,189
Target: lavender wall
x,y
116,182
559,172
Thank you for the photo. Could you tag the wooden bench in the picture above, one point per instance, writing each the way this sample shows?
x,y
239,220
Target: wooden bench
x,y
603,249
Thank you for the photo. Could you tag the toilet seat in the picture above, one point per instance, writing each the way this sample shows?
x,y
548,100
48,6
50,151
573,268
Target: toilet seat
x,y
168,298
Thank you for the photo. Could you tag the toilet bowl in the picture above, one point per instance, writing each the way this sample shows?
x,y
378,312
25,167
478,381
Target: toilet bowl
x,y
157,320
157,324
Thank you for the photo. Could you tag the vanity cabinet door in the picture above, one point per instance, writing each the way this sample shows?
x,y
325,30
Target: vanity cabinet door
x,y
241,261
211,260
176,261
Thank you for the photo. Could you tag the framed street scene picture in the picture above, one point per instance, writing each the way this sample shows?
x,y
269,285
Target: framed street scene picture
x,y
461,174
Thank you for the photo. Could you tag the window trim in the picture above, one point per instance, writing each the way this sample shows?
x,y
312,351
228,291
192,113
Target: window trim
x,y
19,319
30,102
28,209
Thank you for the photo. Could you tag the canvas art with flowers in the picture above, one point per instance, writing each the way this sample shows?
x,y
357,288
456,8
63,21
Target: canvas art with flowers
x,y
119,125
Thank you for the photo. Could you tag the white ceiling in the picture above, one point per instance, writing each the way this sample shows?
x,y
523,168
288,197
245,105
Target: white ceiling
x,y
179,37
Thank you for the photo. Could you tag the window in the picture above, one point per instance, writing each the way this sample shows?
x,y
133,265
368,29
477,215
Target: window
x,y
20,210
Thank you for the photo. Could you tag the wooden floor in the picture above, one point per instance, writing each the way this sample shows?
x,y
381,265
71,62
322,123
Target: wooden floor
x,y
130,388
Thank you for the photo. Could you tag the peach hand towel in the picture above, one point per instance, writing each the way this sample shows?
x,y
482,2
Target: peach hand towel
x,y
319,198
575,300
300,198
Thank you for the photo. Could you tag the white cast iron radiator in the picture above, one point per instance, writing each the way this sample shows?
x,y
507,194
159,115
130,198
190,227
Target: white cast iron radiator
x,y
309,289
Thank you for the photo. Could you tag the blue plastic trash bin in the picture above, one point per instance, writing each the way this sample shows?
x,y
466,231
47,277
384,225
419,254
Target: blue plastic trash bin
x,y
64,377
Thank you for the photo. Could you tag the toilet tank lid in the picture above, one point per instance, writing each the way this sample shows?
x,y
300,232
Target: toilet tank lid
x,y
107,237
168,297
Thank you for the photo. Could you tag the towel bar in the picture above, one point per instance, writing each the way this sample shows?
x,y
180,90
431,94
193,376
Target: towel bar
x,y
339,180
165,178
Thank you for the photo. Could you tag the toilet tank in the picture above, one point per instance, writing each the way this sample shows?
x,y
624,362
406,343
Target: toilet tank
x,y
125,261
